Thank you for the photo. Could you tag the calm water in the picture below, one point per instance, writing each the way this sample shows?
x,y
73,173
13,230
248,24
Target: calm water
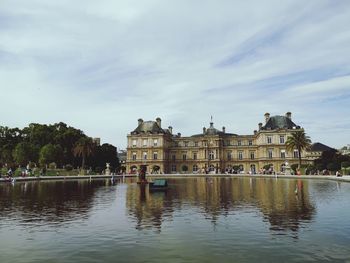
x,y
220,220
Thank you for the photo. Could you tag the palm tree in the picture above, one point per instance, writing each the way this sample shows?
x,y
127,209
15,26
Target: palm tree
x,y
84,147
300,141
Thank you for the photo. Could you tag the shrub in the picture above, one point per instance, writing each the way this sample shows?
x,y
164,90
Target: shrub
x,y
52,165
345,164
68,167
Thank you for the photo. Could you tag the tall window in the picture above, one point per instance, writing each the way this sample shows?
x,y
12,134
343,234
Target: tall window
x,y
211,155
194,156
145,155
240,155
296,154
239,142
283,154
195,144
133,143
252,155
155,156
134,156
250,142
173,157
173,168
155,142
195,168
144,142
184,156
282,139
269,153
269,139
186,144
229,156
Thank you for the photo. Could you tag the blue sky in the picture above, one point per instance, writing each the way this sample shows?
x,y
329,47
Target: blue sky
x,y
101,65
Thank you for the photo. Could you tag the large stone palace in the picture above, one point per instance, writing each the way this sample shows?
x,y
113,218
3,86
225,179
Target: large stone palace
x,y
213,150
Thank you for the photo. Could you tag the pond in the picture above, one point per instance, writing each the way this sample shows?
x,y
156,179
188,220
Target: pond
x,y
195,220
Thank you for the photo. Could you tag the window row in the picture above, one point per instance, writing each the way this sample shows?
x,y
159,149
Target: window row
x,y
145,142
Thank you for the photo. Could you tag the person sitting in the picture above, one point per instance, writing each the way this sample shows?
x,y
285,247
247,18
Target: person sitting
x,y
338,174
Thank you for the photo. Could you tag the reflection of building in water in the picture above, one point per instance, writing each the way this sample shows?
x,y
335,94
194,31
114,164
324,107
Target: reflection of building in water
x,y
149,210
284,203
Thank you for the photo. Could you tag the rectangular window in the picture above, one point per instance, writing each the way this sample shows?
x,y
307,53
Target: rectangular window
x,y
228,143
133,143
186,144
250,142
240,155
229,156
145,155
296,154
239,142
173,157
269,139
195,144
211,155
194,156
252,155
144,142
155,156
155,142
173,168
134,156
283,154
282,139
184,157
269,153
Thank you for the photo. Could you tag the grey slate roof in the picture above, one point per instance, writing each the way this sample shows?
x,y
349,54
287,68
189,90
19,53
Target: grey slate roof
x,y
212,131
320,147
149,127
279,122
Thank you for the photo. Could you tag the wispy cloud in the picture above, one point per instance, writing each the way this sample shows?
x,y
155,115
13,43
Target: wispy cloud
x,y
100,65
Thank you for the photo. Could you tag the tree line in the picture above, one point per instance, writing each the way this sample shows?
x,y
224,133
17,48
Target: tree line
x,y
40,145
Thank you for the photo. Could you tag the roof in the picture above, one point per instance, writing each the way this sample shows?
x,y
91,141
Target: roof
x,y
212,131
279,122
319,147
149,127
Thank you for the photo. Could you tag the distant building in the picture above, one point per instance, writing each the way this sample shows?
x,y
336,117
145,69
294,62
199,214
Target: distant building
x,y
316,151
345,150
212,150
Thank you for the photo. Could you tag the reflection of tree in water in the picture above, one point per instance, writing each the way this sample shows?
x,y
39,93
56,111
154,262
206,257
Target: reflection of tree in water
x,y
276,199
57,202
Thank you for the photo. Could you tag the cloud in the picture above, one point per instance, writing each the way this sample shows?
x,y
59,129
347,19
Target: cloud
x,y
99,66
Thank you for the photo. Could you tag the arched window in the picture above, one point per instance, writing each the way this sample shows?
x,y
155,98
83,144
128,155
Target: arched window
x,y
195,168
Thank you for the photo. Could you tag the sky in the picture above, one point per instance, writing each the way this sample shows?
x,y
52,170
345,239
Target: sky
x,y
101,65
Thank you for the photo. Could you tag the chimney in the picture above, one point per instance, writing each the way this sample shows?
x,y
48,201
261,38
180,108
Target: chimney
x,y
267,116
255,132
159,122
223,129
204,130
289,115
140,121
179,134
260,126
170,129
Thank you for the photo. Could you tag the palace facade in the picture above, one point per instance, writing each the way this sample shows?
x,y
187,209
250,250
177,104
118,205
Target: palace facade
x,y
213,150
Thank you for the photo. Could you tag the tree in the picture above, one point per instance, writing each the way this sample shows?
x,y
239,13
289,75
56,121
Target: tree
x,y
83,148
300,141
25,152
50,153
106,153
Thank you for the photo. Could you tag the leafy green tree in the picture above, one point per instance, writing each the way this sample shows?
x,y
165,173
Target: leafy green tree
x,y
84,148
106,153
300,141
50,153
24,153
